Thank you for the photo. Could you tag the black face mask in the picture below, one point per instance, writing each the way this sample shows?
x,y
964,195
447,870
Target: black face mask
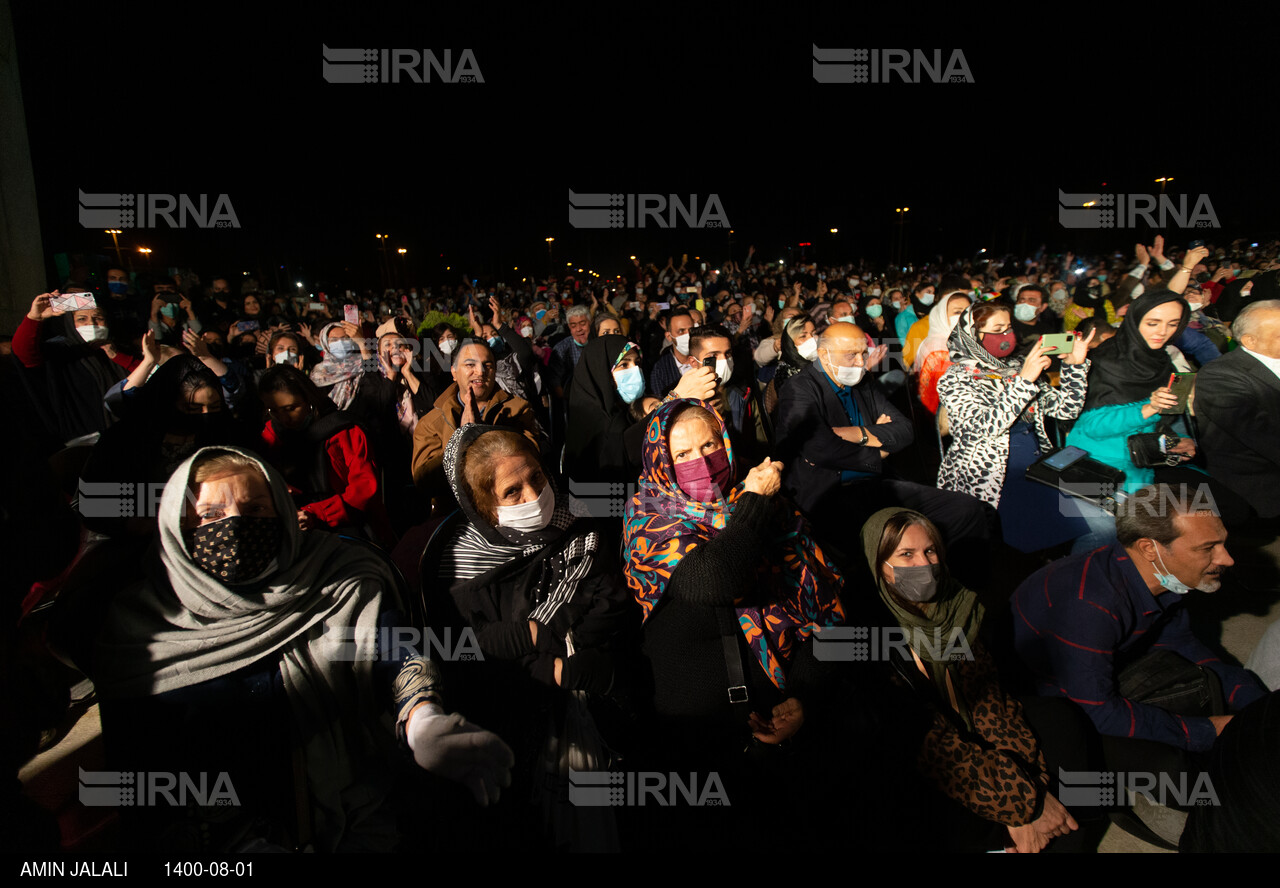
x,y
236,549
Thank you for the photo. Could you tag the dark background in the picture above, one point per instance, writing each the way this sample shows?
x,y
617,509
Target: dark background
x,y
473,177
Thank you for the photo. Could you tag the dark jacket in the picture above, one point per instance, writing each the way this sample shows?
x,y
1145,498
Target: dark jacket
x,y
813,456
1238,414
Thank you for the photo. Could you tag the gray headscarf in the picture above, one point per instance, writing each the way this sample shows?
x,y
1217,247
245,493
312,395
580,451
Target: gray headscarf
x,y
181,627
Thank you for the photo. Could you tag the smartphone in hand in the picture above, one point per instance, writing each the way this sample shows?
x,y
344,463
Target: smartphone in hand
x,y
351,314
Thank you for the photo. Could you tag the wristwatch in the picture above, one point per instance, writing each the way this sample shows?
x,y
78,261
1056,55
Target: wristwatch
x,y
866,436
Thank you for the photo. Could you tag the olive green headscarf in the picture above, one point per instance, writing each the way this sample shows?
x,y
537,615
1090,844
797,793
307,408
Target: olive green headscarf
x,y
954,607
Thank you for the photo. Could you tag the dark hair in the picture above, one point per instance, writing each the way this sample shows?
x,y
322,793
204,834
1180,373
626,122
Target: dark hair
x,y
599,319
983,311
707,331
1035,288
463,343
1149,513
675,312
894,529
1089,324
283,378
440,329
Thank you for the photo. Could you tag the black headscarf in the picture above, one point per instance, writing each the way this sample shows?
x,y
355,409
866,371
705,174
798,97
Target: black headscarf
x,y
78,374
1124,368
1233,299
598,417
790,362
1089,297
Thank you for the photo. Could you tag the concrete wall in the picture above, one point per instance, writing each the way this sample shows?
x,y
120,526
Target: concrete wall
x,y
22,275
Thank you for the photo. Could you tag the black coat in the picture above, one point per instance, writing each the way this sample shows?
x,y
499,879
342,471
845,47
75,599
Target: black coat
x,y
812,455
1237,406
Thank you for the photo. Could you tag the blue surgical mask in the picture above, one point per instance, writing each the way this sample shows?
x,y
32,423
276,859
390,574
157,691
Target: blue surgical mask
x,y
874,311
168,310
494,340
119,288
539,314
343,348
1168,580
630,383
1101,277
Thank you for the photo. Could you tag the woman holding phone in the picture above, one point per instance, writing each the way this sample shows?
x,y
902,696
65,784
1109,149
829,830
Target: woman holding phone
x,y
1129,386
997,404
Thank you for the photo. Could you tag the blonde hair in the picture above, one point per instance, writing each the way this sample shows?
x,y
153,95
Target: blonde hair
x,y
223,463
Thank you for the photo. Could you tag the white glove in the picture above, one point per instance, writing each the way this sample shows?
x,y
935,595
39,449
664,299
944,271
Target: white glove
x,y
450,747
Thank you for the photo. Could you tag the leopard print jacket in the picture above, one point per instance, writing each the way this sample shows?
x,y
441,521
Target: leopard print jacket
x,y
982,410
997,771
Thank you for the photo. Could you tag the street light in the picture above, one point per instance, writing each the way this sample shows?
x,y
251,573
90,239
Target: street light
x,y
1163,181
113,232
146,252
551,262
835,230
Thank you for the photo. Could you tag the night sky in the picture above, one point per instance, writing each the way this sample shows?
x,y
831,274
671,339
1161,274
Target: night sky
x,y
234,102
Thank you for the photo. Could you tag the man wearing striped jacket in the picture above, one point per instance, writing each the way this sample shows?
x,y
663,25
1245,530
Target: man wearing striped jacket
x,y
1092,623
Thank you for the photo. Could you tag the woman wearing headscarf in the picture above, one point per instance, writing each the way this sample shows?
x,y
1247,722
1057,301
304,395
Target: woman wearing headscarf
x,y
542,593
799,346
246,659
1088,302
996,405
179,410
345,357
933,356
728,577
980,751
72,367
609,379
1128,386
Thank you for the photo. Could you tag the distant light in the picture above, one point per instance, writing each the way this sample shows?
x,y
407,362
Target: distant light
x,y
402,251
983,250
299,285
633,257
835,230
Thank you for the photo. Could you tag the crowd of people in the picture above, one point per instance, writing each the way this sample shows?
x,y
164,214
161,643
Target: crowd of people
x,y
646,508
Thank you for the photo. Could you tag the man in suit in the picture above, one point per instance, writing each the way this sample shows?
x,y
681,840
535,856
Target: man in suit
x,y
1237,405
836,426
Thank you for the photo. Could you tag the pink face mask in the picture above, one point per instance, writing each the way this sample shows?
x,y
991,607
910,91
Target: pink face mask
x,y
706,480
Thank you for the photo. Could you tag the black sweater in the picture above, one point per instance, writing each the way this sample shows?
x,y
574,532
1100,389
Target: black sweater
x,y
682,642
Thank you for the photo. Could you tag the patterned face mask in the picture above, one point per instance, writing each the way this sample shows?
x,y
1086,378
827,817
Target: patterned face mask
x,y
236,549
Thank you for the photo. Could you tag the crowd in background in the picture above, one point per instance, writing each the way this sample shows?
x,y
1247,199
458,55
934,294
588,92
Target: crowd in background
x,y
648,498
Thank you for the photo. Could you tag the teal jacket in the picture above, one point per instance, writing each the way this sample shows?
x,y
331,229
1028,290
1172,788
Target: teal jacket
x,y
1104,432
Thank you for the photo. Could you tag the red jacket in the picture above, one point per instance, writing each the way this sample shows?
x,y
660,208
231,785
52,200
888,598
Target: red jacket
x,y
354,478
26,345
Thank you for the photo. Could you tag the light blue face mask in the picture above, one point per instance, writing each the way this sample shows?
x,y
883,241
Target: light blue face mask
x,y
1168,580
343,348
1024,312
925,298
169,310
874,311
1101,277
630,383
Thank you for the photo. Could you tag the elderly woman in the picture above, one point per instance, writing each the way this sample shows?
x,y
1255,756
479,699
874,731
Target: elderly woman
x,y
245,655
542,592
728,578
980,751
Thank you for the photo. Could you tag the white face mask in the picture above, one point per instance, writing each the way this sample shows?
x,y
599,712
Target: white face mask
x,y
847,375
448,345
875,291
286,357
724,369
1025,312
925,298
92,333
809,349
1195,306
682,344
529,516
526,332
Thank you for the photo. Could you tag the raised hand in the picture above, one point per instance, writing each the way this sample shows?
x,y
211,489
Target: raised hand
x,y
1141,253
41,307
1157,249
1080,351
1036,363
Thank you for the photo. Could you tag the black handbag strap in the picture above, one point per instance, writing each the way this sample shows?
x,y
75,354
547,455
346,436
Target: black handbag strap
x,y
729,632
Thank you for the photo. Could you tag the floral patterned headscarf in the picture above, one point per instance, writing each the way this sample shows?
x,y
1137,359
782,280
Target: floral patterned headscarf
x,y
663,524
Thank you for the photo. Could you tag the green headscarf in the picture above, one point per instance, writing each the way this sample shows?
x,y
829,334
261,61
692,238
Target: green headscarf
x,y
954,607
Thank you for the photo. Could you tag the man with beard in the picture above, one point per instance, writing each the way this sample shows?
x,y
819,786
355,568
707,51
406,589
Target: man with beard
x,y
1109,630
